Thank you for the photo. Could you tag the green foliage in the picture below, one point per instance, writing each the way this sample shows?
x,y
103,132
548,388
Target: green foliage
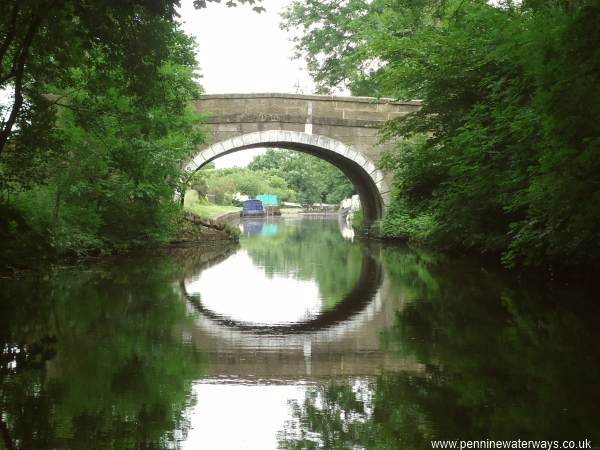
x,y
314,180
409,216
43,40
95,123
100,172
232,4
223,184
61,224
503,156
292,176
202,208
357,219
16,234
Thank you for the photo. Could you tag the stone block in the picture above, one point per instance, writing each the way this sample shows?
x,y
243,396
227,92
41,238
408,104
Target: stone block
x,y
237,142
252,138
305,138
360,159
217,148
296,127
342,149
369,167
264,135
335,144
327,109
344,135
358,106
352,154
246,128
231,128
377,176
382,186
325,142
374,116
365,132
198,160
297,111
271,136
209,153
387,107
324,130
228,144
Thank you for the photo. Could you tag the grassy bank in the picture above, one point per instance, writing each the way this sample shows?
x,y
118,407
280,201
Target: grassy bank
x,y
192,203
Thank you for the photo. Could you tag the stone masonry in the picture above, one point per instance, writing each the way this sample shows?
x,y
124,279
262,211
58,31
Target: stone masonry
x,y
341,130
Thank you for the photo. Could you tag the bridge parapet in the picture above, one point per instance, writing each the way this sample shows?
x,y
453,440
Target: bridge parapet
x,y
351,120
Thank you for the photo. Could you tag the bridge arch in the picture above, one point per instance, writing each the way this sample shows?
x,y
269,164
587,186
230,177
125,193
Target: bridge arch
x,y
364,175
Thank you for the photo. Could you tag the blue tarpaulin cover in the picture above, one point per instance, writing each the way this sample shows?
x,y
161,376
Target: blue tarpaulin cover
x,y
253,208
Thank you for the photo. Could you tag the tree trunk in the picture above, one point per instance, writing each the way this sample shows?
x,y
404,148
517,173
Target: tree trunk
x,y
17,71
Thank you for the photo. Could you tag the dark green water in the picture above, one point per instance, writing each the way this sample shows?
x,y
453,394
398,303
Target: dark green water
x,y
299,338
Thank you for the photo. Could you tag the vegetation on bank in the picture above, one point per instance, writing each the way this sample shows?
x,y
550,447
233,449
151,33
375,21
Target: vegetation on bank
x,y
222,185
292,176
95,120
202,208
504,155
312,179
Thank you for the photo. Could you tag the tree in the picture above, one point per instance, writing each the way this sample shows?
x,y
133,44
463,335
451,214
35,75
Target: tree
x,y
503,145
42,40
112,163
331,42
100,121
314,180
232,3
225,183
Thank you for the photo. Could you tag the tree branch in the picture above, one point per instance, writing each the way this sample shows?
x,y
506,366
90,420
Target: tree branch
x,y
11,32
19,68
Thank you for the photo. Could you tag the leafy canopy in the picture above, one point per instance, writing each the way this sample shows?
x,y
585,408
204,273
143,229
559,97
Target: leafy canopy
x,y
503,156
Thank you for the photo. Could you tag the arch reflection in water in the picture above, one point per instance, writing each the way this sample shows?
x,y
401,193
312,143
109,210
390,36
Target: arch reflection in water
x,y
303,314
311,305
288,271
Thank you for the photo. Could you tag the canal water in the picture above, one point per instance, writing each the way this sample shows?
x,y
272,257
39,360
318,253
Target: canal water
x,y
300,337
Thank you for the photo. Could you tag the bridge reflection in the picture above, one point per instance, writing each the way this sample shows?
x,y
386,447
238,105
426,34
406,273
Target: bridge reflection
x,y
341,341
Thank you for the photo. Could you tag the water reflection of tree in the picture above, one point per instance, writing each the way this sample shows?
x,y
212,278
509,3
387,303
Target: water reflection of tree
x,y
501,362
91,360
310,250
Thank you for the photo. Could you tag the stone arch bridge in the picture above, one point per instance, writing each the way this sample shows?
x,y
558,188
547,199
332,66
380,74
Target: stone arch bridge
x,y
341,130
